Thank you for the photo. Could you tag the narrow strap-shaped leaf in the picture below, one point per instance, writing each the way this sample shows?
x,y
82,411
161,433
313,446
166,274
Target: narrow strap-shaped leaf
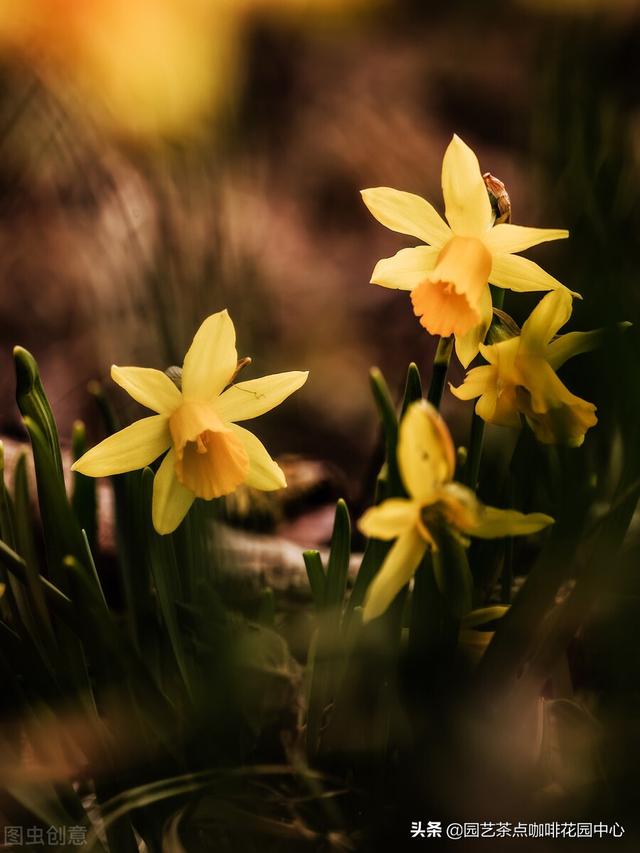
x,y
83,498
412,388
26,546
113,661
61,531
33,403
339,555
317,579
387,413
164,571
55,598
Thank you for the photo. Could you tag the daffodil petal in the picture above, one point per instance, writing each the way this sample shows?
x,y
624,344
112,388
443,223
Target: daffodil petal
x,y
264,473
406,269
546,389
475,383
249,399
171,500
407,213
487,403
149,387
573,343
555,414
426,455
498,409
400,564
549,315
467,206
389,519
468,345
496,523
211,360
506,238
133,447
521,274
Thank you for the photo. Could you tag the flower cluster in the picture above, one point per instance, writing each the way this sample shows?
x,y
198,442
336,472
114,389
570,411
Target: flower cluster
x,y
208,455
449,285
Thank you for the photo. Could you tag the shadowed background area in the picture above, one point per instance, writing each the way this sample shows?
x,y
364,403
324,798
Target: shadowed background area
x,y
117,238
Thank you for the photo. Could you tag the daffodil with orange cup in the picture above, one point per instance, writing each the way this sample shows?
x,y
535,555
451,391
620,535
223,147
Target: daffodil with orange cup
x,y
449,278
209,454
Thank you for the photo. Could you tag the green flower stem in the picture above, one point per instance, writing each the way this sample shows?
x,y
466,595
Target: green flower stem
x,y
440,367
428,608
476,442
476,439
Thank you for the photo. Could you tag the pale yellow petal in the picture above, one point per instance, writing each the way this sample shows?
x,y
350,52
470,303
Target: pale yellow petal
x,y
506,238
468,345
133,447
549,315
496,523
254,397
389,519
407,213
487,403
467,206
499,407
211,360
576,343
150,388
171,500
264,473
546,389
566,424
426,455
400,564
476,382
406,269
521,274
555,414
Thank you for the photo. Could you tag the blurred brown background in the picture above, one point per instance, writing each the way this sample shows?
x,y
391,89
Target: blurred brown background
x,y
113,249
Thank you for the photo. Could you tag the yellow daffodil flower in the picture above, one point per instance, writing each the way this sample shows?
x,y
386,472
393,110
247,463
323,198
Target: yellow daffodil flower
x,y
426,458
448,279
521,379
209,454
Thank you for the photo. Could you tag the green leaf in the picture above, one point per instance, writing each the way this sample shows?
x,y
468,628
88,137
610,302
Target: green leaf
x,y
26,546
374,553
33,403
317,580
83,498
387,413
484,616
56,599
412,388
339,555
61,531
166,578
